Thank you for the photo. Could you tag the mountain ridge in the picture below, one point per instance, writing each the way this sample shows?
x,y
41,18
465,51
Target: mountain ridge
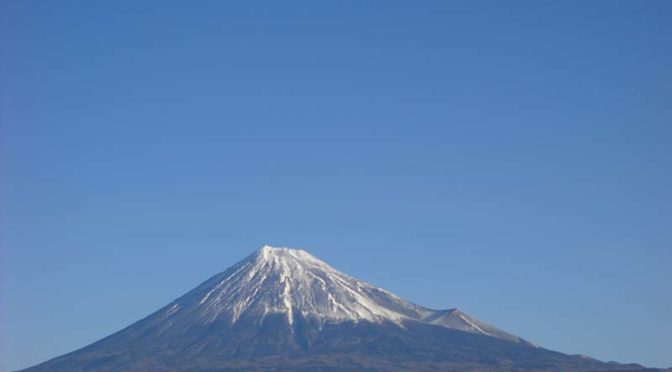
x,y
285,309
310,286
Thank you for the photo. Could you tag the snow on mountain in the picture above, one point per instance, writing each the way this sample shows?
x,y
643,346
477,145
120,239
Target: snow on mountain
x,y
294,283
284,309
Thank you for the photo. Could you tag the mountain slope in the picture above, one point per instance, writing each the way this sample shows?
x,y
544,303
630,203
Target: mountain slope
x,y
293,283
284,309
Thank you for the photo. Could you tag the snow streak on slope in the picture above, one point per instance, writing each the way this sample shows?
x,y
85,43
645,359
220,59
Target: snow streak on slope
x,y
295,284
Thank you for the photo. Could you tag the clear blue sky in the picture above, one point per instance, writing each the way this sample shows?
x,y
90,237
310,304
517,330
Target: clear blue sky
x,y
513,160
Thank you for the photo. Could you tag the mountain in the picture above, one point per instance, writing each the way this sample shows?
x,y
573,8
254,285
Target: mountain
x,y
284,309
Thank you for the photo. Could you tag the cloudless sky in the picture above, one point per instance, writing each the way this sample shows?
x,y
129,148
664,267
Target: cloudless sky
x,y
512,159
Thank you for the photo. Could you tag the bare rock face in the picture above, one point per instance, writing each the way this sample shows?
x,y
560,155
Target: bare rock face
x,y
284,309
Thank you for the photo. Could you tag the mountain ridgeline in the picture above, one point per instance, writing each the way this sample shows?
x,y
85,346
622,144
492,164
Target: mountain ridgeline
x,y
283,309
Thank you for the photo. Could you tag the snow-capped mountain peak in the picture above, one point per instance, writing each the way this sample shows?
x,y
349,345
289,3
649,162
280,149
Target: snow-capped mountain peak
x,y
292,282
295,284
285,309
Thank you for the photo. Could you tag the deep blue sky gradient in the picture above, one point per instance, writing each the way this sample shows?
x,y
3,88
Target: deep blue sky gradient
x,y
512,159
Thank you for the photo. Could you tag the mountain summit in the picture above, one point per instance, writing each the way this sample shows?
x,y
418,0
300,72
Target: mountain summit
x,y
296,284
284,309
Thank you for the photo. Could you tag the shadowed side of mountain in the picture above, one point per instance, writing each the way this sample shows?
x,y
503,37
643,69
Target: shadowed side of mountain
x,y
355,346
